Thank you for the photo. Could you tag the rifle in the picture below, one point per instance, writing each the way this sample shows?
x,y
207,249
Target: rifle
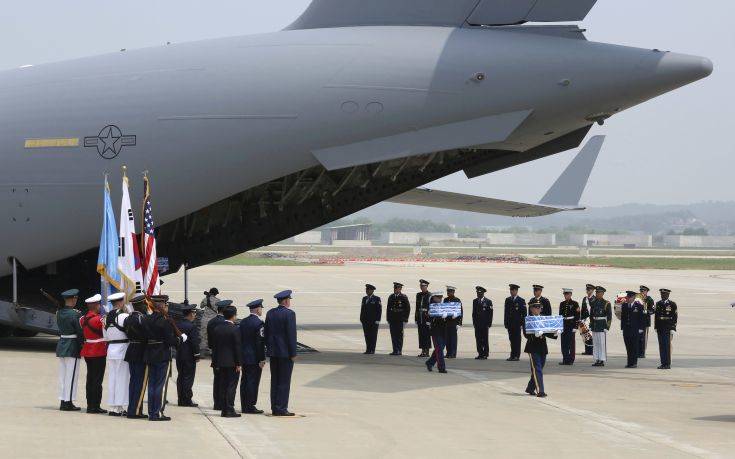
x,y
53,300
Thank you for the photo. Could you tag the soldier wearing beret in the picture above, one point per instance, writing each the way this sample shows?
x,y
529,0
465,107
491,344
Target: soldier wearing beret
x,y
667,316
187,356
514,316
421,317
252,334
397,311
482,320
68,348
371,311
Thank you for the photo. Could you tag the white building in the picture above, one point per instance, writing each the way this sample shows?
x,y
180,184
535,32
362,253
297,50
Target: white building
x,y
524,239
611,240
699,241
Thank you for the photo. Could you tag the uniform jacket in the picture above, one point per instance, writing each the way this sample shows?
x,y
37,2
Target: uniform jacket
x,y
482,312
280,332
189,350
632,317
456,320
94,340
117,339
67,319
515,312
422,307
161,337
600,315
536,344
649,311
586,301
228,348
398,308
138,336
371,310
545,305
571,312
252,337
438,326
667,316
211,333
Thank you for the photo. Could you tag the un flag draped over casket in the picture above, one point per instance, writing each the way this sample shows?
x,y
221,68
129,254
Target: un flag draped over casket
x,y
445,310
544,324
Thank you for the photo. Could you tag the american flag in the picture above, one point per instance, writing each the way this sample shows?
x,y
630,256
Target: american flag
x,y
151,284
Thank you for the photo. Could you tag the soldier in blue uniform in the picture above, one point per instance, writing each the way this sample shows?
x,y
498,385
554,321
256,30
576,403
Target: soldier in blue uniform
x,y
586,302
453,324
649,310
667,316
253,357
439,336
570,311
537,351
187,356
631,323
515,314
280,342
421,317
371,312
212,325
397,311
545,303
482,320
227,358
135,329
68,349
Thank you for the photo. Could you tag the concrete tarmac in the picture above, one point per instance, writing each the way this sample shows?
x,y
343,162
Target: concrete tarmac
x,y
352,405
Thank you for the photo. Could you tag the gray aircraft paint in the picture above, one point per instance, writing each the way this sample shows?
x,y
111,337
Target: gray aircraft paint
x,y
217,117
568,188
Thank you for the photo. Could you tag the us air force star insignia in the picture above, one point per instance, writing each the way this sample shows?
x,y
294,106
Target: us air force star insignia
x,y
110,141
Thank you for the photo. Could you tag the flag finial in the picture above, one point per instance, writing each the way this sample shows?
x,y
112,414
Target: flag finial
x,y
125,171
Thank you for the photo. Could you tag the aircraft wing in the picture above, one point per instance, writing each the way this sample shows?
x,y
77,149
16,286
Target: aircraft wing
x,y
563,196
451,13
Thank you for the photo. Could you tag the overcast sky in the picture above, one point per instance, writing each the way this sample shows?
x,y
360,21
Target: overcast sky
x,y
675,149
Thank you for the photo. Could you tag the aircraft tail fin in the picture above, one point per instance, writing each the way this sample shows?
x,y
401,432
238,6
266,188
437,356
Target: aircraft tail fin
x,y
568,188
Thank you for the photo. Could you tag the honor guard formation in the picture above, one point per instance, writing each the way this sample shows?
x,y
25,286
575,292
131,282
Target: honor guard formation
x,y
592,320
136,342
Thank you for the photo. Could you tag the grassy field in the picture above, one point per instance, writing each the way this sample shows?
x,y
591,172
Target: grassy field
x,y
250,260
644,263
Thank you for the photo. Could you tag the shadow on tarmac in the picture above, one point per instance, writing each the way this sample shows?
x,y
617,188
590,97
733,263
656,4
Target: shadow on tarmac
x,y
721,418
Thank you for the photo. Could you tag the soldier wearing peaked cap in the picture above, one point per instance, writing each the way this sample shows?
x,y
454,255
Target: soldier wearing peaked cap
x,y
421,317
545,303
227,357
482,320
453,324
187,356
649,310
600,322
397,311
253,357
68,348
586,302
280,342
371,311
514,317
94,352
667,316
438,335
134,355
118,370
631,323
212,326
570,311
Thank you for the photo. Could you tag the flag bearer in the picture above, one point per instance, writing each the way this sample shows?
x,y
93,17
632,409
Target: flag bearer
x,y
67,349
134,355
94,352
118,370
667,316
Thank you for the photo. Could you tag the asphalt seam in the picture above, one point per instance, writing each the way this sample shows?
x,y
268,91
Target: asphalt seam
x,y
226,437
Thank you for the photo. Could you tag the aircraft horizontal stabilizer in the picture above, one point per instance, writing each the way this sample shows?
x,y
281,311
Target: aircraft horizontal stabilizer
x,y
455,201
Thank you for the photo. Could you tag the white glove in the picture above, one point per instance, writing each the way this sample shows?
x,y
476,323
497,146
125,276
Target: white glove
x,y
556,334
444,315
539,334
640,331
184,337
377,322
458,327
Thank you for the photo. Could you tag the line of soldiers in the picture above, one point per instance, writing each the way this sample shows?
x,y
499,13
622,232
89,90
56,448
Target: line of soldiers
x,y
136,348
595,310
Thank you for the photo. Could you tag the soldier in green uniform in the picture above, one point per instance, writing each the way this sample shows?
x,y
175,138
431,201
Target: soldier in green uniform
x,y
68,348
600,321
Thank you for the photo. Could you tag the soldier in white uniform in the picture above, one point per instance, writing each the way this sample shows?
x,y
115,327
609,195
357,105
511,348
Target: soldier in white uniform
x,y
67,350
118,372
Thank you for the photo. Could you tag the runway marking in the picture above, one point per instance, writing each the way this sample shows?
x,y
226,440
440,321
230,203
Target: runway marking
x,y
631,429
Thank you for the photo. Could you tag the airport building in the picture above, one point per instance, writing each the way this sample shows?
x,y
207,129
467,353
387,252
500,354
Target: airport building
x,y
409,238
522,239
611,240
699,241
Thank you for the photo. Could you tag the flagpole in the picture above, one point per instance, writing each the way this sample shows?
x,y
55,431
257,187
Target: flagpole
x,y
104,286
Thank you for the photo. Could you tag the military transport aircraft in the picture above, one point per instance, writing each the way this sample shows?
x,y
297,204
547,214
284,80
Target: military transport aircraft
x,y
250,140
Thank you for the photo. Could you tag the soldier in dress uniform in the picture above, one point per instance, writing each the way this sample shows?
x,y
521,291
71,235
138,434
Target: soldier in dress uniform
x,y
537,351
94,352
211,343
161,337
397,311
586,302
545,303
453,324
631,323
650,309
600,321
421,317
67,350
280,343
228,359
118,371
134,355
667,316
514,317
252,335
371,312
570,311
482,320
439,336
187,356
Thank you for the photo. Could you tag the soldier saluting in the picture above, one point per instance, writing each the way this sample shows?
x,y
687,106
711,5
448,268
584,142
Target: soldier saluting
x,y
397,311
371,310
631,323
68,348
649,310
667,316
421,317
134,355
482,320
